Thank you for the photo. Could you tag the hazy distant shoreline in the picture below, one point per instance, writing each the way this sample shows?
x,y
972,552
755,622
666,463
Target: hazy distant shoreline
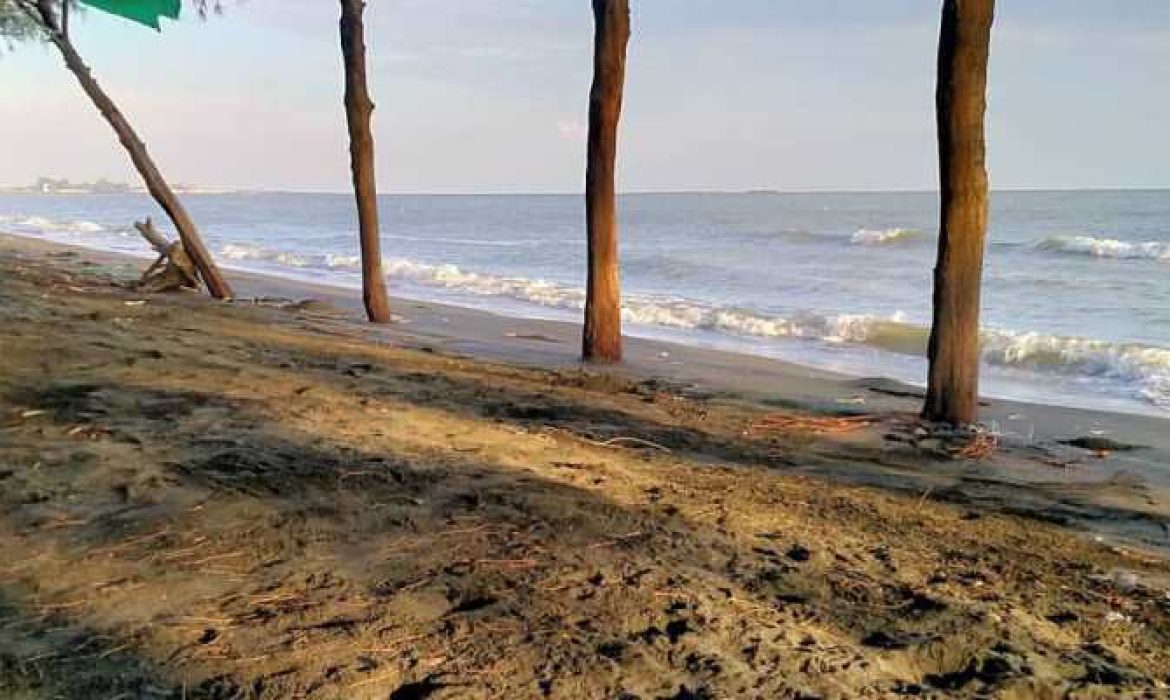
x,y
762,192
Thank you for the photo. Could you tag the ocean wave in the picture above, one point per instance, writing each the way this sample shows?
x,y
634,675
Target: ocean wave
x,y
328,261
888,236
1106,248
1144,368
44,223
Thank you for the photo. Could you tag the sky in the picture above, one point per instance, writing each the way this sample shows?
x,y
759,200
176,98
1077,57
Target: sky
x,y
491,96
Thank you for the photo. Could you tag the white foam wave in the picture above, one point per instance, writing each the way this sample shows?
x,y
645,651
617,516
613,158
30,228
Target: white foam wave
x,y
888,236
665,311
1141,368
1106,248
330,261
36,224
1145,368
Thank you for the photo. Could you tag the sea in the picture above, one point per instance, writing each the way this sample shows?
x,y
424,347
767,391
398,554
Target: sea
x,y
1076,296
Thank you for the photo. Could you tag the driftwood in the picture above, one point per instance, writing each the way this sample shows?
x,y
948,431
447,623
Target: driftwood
x,y
173,270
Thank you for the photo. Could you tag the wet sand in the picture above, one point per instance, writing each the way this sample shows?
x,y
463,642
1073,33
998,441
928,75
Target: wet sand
x,y
269,499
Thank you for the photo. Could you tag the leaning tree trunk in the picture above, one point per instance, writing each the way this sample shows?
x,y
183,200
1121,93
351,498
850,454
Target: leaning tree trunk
x,y
217,286
358,108
602,338
952,394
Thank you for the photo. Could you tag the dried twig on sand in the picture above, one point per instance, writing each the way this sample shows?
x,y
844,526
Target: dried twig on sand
x,y
633,441
819,425
618,539
981,446
618,441
508,563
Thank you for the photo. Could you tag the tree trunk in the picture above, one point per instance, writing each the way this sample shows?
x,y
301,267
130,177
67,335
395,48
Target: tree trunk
x,y
155,183
602,338
358,108
952,394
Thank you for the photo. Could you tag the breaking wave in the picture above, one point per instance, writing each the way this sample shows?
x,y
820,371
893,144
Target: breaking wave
x,y
1144,368
1106,248
37,224
329,261
888,236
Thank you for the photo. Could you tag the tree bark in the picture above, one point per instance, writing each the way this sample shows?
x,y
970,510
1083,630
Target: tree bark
x,y
602,337
217,286
952,394
358,109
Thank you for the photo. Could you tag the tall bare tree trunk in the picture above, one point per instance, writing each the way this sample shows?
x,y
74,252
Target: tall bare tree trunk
x,y
217,286
952,394
602,338
358,108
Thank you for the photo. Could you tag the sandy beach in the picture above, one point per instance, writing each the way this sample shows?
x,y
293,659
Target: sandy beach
x,y
270,499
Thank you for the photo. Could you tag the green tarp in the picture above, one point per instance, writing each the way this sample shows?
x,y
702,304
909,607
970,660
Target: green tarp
x,y
145,12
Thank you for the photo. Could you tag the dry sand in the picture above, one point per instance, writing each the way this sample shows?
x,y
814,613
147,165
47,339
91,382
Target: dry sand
x,y
269,500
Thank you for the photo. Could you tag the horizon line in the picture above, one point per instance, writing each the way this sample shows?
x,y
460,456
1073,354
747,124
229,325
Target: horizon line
x,y
760,191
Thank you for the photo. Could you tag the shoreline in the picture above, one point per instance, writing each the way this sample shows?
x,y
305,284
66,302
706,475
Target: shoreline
x,y
554,344
1092,364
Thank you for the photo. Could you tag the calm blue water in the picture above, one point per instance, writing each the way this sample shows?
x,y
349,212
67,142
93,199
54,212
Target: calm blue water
x,y
1076,292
